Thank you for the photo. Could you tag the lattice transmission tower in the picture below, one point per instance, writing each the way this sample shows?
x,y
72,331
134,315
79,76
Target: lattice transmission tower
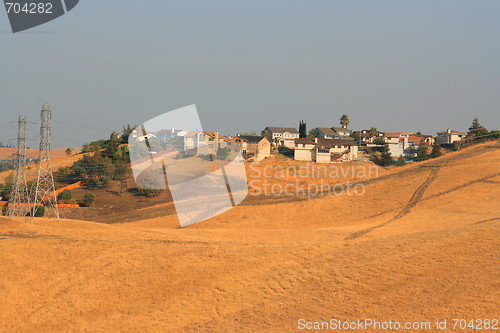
x,y
44,189
19,201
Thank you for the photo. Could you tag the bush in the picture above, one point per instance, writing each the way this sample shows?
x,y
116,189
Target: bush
x,y
150,193
40,211
436,150
65,195
400,161
88,199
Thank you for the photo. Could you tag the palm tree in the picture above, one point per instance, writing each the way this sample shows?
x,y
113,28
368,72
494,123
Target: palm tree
x,y
344,120
276,142
373,131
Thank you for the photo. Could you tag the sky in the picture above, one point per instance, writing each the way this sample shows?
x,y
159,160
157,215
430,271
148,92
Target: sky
x,y
396,65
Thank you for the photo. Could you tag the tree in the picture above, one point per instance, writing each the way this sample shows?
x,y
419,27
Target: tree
x,y
65,195
313,133
379,141
88,199
86,148
436,150
264,133
344,120
95,170
127,130
276,142
422,153
40,211
386,156
69,151
476,130
373,131
400,161
355,136
302,129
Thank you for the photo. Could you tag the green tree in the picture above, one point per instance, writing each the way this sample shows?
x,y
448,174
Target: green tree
x,y
69,151
86,148
314,133
127,130
95,170
40,211
476,129
302,129
379,141
436,150
344,120
65,195
400,161
88,199
386,156
422,153
355,136
264,133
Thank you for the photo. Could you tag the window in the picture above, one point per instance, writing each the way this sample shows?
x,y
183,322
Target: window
x,y
323,151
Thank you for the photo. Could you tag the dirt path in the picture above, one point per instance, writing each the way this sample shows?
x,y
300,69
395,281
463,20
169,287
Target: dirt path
x,y
415,198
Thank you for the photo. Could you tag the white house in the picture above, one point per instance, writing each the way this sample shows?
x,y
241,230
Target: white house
x,y
325,150
286,135
449,136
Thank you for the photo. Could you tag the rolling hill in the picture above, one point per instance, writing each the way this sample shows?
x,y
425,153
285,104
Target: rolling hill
x,y
421,244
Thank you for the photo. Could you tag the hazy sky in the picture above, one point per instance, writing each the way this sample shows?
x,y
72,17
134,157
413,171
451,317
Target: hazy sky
x,y
396,65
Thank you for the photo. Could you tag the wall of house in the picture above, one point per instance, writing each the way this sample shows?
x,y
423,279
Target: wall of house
x,y
396,149
323,158
302,154
289,143
263,150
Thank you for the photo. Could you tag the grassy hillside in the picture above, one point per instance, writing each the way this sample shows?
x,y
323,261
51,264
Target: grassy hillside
x,y
420,245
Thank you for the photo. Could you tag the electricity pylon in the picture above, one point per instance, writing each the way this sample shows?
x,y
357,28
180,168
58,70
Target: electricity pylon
x,y
44,189
19,201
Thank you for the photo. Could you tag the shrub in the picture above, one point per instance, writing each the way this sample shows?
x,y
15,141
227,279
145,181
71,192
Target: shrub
x,y
40,211
147,192
436,150
88,199
65,195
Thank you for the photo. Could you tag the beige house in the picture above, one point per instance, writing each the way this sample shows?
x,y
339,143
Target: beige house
x,y
256,147
286,135
339,133
325,150
449,136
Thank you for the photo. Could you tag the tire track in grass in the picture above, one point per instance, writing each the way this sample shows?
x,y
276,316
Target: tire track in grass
x,y
415,198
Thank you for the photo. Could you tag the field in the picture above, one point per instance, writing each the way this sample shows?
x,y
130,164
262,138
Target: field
x,y
420,244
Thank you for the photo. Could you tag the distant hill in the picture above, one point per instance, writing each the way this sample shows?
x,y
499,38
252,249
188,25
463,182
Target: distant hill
x,y
6,153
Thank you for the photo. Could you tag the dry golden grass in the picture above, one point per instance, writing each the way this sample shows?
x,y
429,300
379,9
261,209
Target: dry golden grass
x,y
261,268
59,160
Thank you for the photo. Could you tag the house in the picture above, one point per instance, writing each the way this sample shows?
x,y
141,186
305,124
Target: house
x,y
141,138
286,135
257,147
321,150
194,140
406,143
166,135
343,133
449,136
339,133
366,136
214,140
326,133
